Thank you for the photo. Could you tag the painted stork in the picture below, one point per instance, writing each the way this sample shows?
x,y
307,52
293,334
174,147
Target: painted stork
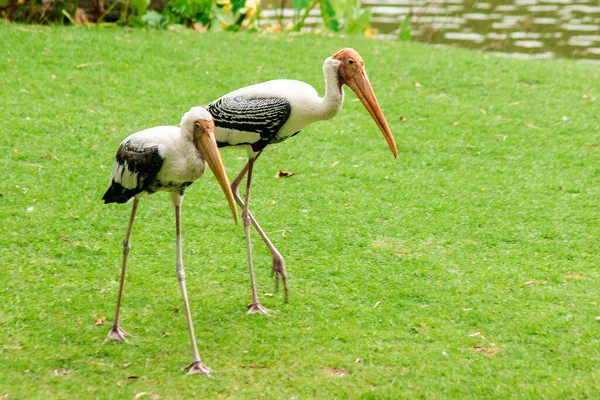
x,y
270,112
169,159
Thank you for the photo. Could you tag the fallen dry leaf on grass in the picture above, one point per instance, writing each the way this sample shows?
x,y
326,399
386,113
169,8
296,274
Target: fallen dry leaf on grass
x,y
535,281
335,371
89,64
100,321
62,371
489,351
275,28
40,166
575,276
531,126
283,174
153,396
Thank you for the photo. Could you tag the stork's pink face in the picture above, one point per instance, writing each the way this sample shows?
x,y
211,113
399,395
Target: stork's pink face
x,y
352,73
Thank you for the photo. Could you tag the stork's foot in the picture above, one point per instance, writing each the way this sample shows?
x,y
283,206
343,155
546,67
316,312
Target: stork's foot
x,y
258,308
198,368
277,271
117,333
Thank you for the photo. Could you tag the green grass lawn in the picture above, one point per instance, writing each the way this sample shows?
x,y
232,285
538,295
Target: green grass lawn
x,y
466,268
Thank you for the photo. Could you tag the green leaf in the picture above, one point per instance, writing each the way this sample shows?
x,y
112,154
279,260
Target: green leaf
x,y
221,15
329,16
189,11
300,5
215,25
139,7
361,18
404,32
155,19
237,5
349,8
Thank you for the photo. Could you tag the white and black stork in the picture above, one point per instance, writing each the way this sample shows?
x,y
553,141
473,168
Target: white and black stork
x,y
256,116
169,159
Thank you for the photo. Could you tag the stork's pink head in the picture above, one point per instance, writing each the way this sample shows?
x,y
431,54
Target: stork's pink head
x,y
352,73
204,138
351,63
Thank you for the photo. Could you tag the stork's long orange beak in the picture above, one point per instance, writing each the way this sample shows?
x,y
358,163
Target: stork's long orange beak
x,y
207,146
359,83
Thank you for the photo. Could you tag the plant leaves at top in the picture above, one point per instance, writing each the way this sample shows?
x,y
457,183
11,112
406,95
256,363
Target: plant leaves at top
x,y
139,7
328,14
300,5
404,32
221,15
237,5
155,19
360,20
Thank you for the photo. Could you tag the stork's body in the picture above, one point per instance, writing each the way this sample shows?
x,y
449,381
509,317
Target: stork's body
x,y
165,158
155,159
271,112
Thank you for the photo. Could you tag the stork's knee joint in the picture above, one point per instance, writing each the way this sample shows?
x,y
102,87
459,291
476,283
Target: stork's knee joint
x,y
180,274
246,219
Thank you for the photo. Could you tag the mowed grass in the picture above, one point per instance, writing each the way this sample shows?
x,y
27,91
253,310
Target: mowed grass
x,y
466,268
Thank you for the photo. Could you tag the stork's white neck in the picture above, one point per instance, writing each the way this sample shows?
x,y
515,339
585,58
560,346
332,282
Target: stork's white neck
x,y
332,103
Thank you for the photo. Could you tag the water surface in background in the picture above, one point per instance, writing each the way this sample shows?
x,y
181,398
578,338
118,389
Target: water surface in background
x,y
520,28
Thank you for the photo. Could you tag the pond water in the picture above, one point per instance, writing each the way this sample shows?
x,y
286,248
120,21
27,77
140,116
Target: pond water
x,y
518,28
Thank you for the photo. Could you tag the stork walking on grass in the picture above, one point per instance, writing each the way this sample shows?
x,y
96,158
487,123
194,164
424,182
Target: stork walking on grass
x,y
166,158
270,112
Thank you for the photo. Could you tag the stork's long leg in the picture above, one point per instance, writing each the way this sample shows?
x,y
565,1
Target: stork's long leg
x,y
196,367
255,307
278,268
116,332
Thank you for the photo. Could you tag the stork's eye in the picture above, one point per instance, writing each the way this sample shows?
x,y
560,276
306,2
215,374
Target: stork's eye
x,y
196,125
350,61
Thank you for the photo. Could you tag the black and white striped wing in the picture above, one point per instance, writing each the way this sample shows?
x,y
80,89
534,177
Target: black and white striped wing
x,y
241,115
136,165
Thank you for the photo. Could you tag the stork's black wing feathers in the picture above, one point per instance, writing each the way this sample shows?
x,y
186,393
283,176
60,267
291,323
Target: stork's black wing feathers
x,y
136,166
264,116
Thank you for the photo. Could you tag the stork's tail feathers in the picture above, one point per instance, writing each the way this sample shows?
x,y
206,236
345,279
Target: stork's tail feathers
x,y
117,193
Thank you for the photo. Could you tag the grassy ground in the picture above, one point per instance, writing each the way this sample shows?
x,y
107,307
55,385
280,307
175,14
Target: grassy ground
x,y
466,268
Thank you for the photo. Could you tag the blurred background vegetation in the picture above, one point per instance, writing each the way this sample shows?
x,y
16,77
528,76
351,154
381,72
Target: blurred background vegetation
x,y
340,16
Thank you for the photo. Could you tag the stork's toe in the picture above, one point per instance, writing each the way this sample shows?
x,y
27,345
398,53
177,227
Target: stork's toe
x,y
117,333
